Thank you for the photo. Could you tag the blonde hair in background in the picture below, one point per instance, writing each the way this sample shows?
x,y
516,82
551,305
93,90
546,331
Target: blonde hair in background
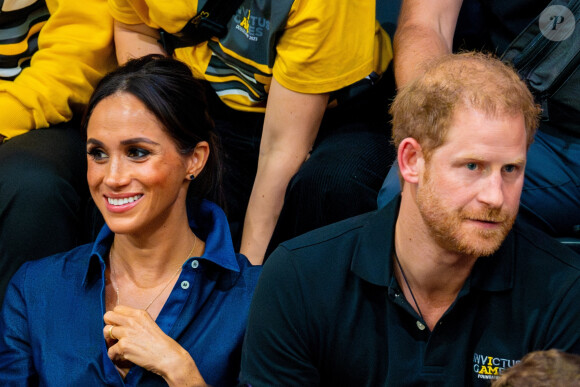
x,y
551,368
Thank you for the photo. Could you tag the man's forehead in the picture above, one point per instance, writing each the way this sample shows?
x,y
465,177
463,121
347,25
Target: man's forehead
x,y
477,132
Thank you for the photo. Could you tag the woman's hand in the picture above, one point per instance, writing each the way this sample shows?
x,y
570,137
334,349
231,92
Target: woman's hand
x,y
132,336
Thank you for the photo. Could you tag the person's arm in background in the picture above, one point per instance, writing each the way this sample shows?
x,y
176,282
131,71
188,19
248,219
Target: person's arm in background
x,y
320,51
75,50
290,128
425,31
135,41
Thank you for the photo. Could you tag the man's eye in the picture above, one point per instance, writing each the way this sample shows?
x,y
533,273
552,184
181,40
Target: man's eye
x,y
510,168
471,166
137,153
97,154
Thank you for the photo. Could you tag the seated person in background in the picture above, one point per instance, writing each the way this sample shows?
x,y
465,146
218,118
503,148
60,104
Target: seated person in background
x,y
428,29
550,368
293,161
436,288
173,293
52,54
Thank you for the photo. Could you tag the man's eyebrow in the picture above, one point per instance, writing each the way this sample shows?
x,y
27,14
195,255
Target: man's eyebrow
x,y
472,157
520,161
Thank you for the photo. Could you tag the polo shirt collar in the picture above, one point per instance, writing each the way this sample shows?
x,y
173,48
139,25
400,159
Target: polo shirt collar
x,y
372,255
214,229
206,219
372,259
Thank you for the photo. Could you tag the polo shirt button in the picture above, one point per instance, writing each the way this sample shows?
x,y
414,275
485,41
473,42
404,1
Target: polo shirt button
x,y
194,263
420,325
185,285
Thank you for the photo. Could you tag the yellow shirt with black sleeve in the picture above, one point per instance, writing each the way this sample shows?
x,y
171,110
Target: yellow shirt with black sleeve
x,y
310,46
52,54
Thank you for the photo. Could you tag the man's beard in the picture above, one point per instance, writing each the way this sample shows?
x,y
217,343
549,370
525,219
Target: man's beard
x,y
449,226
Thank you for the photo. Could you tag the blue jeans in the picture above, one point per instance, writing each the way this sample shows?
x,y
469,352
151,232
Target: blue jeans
x,y
551,195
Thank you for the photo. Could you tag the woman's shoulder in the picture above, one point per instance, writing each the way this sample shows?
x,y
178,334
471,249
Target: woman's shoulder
x,y
39,272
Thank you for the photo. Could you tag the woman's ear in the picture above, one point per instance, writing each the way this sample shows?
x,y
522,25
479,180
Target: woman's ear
x,y
410,159
197,159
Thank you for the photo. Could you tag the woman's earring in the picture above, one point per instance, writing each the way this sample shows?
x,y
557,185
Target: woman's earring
x,y
191,177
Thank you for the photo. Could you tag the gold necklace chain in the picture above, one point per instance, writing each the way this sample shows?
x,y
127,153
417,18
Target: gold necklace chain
x,y
116,286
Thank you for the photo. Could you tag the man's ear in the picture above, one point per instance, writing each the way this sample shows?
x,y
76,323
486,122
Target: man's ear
x,y
197,159
410,159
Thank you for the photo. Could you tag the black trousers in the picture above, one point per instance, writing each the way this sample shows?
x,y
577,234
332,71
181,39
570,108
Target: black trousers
x,y
43,191
348,163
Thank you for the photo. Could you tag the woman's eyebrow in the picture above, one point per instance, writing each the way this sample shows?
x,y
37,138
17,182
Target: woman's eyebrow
x,y
137,140
94,142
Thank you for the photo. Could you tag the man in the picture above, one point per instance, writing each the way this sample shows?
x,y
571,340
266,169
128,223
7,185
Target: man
x,y
426,30
436,288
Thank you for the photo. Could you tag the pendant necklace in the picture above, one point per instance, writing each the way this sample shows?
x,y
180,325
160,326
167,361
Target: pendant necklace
x,y
408,286
116,286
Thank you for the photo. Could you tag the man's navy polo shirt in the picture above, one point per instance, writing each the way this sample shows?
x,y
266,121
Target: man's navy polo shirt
x,y
328,311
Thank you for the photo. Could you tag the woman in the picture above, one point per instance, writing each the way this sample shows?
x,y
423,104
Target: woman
x,y
160,295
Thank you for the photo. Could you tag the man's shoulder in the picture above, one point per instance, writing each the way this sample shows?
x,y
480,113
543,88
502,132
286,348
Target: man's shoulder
x,y
329,238
543,266
536,246
323,259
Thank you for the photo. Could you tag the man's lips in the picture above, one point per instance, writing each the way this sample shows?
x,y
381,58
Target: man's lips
x,y
487,223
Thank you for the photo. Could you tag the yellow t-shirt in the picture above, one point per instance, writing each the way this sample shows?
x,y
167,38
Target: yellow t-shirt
x,y
310,46
51,60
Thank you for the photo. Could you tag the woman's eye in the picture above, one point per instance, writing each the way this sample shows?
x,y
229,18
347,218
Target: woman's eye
x,y
97,154
471,166
137,153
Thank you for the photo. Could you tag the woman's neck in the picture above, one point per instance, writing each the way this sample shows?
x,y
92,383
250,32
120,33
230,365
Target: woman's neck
x,y
147,256
141,275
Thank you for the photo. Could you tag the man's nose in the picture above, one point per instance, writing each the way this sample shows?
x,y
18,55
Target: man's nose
x,y
491,192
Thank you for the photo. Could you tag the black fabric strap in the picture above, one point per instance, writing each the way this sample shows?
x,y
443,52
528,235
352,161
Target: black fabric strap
x,y
211,21
543,63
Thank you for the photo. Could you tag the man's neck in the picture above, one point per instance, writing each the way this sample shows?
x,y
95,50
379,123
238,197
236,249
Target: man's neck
x,y
434,275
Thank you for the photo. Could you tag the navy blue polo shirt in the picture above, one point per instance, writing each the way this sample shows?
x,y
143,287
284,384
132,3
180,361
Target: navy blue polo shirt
x,y
328,311
51,325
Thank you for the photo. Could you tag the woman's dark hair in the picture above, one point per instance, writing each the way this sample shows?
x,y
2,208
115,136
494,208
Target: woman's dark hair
x,y
170,92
